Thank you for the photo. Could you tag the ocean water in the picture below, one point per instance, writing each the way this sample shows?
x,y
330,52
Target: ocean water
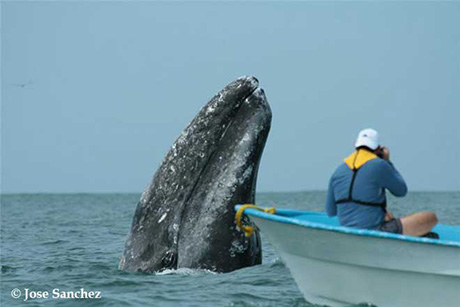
x,y
68,242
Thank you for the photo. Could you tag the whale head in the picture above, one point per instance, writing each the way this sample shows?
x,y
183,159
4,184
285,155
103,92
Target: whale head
x,y
185,216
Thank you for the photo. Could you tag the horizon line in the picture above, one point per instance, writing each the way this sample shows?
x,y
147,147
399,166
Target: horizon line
x,y
261,192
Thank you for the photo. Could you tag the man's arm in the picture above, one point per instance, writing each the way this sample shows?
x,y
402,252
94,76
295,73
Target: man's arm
x,y
331,207
392,180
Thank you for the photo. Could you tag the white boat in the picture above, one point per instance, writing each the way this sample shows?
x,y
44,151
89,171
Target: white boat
x,y
340,266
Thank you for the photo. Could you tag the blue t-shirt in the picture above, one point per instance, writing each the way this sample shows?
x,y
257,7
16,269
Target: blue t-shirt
x,y
370,183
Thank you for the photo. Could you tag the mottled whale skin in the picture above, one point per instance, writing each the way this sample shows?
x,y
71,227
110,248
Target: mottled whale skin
x,y
185,217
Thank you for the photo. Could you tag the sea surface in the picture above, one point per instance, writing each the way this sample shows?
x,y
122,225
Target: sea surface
x,y
73,241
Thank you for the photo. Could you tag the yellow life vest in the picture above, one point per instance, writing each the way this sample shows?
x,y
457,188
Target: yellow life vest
x,y
359,158
354,162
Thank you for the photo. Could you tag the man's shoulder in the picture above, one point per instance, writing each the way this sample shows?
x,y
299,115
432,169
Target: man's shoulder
x,y
342,168
377,164
376,161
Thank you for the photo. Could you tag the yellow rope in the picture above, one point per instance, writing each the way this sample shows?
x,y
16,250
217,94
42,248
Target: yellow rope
x,y
248,230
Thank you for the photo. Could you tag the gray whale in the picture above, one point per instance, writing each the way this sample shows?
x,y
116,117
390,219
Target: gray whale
x,y
185,217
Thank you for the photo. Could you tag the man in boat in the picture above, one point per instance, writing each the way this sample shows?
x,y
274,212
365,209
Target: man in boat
x,y
356,191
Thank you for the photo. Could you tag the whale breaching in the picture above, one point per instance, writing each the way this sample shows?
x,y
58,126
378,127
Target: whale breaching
x,y
185,217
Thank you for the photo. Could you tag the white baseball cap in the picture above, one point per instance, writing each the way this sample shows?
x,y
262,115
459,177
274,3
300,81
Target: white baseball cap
x,y
368,137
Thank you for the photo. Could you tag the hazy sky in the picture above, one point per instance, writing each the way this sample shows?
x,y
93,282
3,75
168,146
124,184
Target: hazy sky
x,y
94,94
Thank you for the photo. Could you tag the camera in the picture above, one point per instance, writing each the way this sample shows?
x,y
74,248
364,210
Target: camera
x,y
379,152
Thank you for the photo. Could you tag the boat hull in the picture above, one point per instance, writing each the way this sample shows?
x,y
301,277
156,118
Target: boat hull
x,y
340,269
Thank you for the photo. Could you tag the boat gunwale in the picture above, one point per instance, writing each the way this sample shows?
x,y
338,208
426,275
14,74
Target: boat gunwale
x,y
341,229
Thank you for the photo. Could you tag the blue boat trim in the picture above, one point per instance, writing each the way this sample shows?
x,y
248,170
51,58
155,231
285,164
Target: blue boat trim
x,y
288,216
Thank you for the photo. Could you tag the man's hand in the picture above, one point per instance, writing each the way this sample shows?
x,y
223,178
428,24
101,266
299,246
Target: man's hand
x,y
388,216
385,153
